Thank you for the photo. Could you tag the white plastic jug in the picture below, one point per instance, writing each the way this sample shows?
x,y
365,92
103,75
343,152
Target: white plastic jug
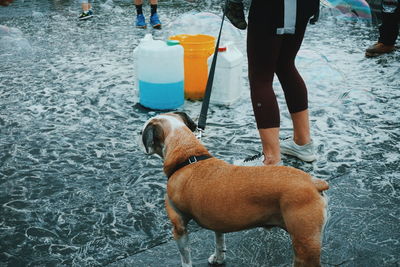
x,y
159,74
148,37
228,82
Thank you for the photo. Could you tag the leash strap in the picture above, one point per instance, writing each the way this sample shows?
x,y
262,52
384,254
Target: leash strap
x,y
206,101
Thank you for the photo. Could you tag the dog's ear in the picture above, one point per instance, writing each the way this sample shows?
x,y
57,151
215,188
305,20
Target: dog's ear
x,y
187,120
153,139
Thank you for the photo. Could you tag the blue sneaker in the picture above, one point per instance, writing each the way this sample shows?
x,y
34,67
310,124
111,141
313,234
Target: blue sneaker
x,y
155,21
140,21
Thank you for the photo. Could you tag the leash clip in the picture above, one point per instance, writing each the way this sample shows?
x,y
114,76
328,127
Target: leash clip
x,y
192,159
199,133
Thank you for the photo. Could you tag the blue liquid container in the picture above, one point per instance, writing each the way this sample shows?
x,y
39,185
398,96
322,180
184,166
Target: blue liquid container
x,y
159,74
162,96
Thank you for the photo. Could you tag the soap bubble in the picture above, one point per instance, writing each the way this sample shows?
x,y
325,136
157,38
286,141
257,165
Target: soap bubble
x,y
355,10
13,43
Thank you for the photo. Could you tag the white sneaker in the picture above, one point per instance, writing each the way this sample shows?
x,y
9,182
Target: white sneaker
x,y
305,153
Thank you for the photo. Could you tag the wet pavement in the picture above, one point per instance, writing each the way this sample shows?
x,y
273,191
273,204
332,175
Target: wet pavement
x,y
76,189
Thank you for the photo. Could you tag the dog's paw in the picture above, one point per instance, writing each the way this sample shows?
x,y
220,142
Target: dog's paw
x,y
216,259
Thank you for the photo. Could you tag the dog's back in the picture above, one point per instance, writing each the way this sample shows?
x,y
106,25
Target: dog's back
x,y
236,197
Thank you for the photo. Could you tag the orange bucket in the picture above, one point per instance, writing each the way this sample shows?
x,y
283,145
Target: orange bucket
x,y
197,49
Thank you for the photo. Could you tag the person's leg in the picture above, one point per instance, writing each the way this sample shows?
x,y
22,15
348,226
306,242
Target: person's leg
x,y
293,85
263,48
295,91
301,127
389,29
87,10
153,7
85,7
138,5
270,142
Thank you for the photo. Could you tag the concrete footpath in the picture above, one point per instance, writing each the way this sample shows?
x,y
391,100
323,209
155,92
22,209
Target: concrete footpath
x,y
246,248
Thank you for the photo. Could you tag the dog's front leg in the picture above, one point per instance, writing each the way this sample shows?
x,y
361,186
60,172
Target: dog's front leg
x,y
180,232
219,256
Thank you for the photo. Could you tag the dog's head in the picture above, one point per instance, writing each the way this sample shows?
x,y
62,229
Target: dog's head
x,y
156,130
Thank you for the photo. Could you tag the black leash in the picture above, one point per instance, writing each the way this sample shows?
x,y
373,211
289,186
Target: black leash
x,y
206,101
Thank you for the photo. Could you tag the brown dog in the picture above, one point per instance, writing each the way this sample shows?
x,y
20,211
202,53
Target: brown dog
x,y
228,198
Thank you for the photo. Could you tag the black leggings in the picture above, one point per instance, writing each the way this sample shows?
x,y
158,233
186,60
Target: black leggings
x,y
268,54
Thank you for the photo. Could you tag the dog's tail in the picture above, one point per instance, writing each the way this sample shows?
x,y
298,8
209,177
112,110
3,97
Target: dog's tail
x,y
321,185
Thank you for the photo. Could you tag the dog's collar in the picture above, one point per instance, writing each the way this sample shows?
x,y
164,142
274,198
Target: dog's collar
x,y
190,160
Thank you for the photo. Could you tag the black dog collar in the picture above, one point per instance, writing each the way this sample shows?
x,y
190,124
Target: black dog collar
x,y
190,160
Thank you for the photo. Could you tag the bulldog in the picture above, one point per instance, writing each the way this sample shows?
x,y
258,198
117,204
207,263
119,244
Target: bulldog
x,y
226,198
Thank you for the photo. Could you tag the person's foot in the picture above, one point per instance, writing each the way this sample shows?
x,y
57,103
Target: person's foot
x,y
258,160
235,13
270,160
155,21
86,15
305,152
378,49
140,21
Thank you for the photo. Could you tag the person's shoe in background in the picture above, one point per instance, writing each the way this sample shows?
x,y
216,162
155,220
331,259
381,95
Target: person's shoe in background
x,y
86,15
235,13
378,49
140,21
155,21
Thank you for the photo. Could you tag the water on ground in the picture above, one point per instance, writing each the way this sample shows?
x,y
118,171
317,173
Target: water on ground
x,y
75,187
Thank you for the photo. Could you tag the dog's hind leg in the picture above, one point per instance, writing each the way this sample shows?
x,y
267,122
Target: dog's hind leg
x,y
219,256
307,251
306,231
180,232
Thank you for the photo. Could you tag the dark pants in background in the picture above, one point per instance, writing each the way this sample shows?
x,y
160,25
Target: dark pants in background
x,y
389,29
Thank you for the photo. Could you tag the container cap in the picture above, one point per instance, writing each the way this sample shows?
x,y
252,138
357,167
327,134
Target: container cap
x,y
221,49
172,42
148,37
